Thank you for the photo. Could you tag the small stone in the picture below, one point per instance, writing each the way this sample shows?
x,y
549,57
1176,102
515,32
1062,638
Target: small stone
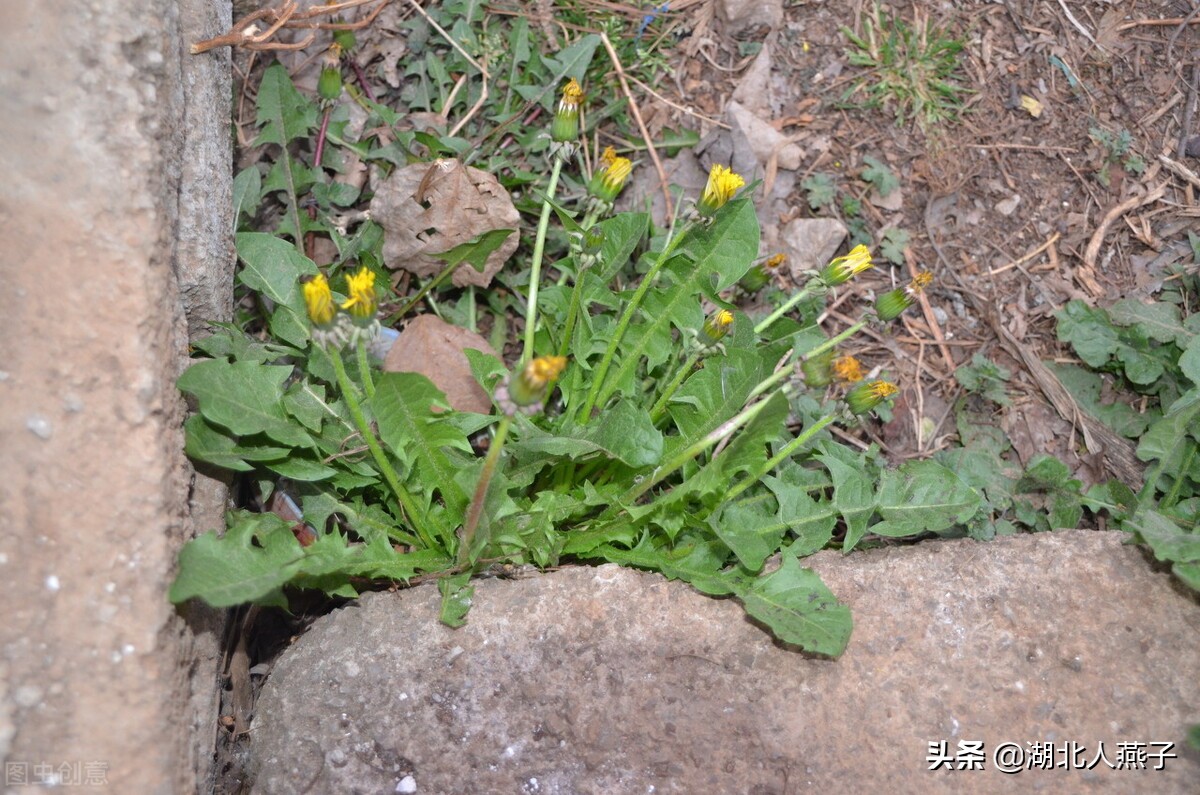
x,y
52,583
742,16
28,696
407,785
810,243
39,425
1008,206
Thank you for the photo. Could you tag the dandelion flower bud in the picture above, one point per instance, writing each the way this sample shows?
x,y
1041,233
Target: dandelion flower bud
x,y
565,127
329,84
722,184
528,388
818,370
865,397
843,269
593,240
890,305
760,275
610,177
345,39
717,325
362,303
318,300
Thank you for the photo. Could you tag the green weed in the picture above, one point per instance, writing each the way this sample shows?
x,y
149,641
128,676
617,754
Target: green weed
x,y
912,68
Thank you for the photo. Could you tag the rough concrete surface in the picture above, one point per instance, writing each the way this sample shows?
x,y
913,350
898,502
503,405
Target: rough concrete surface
x,y
108,127
613,681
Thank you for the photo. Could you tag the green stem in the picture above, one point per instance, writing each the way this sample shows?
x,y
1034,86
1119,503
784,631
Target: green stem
x,y
833,341
385,468
784,373
660,406
485,478
539,249
723,431
787,306
576,294
783,455
364,368
424,291
1181,474
601,370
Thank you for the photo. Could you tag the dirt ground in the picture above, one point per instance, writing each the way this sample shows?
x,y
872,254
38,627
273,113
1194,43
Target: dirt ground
x,y
1007,210
1015,214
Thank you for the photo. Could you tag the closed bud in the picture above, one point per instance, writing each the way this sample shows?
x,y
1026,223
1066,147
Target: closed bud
x,y
565,127
865,397
891,305
329,84
318,300
717,325
529,387
818,370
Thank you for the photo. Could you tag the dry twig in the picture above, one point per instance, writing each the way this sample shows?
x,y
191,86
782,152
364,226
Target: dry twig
x,y
245,32
637,115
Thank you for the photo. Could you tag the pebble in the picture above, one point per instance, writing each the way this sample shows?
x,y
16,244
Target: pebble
x,y
39,425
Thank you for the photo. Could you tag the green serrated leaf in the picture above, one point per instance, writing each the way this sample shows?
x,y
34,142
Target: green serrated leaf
x,y
247,193
403,407
1086,387
273,267
1089,332
853,493
213,446
305,402
283,112
244,397
798,608
456,599
811,522
304,470
622,233
749,529
1189,362
923,497
476,252
252,562
1168,540
1157,320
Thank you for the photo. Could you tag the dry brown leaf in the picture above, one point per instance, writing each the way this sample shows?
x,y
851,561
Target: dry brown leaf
x,y
434,348
429,208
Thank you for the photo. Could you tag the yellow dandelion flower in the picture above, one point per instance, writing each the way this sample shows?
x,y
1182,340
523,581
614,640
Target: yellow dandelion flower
x,y
722,184
610,178
843,269
848,369
362,303
318,300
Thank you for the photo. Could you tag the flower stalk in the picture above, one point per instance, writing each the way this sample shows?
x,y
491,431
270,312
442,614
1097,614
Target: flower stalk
x,y
415,517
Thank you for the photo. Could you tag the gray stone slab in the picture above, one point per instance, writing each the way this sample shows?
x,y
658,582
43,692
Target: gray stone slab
x,y
607,680
115,155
